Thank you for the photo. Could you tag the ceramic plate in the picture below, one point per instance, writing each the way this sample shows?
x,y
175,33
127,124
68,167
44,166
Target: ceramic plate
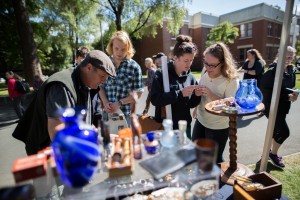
x,y
204,188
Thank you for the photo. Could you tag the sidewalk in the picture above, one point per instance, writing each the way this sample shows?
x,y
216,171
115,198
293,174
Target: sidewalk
x,y
7,112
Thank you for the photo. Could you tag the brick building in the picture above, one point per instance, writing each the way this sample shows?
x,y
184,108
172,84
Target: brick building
x,y
259,27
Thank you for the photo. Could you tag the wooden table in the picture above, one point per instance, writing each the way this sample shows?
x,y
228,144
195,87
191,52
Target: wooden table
x,y
231,169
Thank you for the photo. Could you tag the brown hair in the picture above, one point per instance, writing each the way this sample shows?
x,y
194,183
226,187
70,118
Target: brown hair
x,y
257,55
184,45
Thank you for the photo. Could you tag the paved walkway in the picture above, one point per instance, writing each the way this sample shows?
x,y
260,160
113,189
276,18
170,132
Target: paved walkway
x,y
7,112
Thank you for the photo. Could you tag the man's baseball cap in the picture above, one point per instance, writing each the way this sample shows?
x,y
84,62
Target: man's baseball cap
x,y
101,61
160,54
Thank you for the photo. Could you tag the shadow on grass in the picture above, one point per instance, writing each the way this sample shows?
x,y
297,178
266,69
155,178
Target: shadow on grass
x,y
270,167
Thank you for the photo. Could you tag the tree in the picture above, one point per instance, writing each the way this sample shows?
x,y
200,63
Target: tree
x,y
10,53
141,17
29,51
224,32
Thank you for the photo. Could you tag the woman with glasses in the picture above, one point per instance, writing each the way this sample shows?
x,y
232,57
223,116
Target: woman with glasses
x,y
220,80
182,83
253,68
281,129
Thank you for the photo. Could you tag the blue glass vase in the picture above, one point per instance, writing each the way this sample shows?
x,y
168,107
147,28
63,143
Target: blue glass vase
x,y
248,96
75,149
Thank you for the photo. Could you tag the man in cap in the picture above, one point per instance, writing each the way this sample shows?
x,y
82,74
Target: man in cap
x,y
67,88
157,59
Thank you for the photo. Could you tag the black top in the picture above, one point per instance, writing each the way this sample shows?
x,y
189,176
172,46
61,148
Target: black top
x,y
267,84
259,70
180,105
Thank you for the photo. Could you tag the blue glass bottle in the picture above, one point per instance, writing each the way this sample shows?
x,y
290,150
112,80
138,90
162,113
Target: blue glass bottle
x,y
75,149
151,145
248,96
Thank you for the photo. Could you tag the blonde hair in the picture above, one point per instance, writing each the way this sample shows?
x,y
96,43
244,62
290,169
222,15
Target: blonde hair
x,y
221,52
124,38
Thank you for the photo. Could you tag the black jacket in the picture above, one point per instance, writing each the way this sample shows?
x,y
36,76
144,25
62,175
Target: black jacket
x,y
180,105
267,84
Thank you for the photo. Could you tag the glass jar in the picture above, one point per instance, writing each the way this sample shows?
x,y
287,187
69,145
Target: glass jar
x,y
75,149
248,96
168,138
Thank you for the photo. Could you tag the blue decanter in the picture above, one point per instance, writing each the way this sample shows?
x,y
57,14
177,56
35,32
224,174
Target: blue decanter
x,y
75,149
248,96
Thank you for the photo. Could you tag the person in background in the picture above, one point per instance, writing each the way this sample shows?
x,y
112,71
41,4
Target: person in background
x,y
115,92
254,66
80,54
220,80
286,97
151,68
182,83
157,59
67,88
14,95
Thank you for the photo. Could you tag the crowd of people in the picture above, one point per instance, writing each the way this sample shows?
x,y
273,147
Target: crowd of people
x,y
104,82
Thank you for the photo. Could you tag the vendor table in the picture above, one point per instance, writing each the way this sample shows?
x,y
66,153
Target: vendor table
x,y
231,169
140,181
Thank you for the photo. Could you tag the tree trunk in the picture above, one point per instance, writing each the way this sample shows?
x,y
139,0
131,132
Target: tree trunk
x,y
31,61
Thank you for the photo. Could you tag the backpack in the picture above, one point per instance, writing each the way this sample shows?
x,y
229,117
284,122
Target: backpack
x,y
22,86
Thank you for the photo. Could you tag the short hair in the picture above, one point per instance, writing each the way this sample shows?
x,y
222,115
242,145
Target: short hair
x,y
123,37
82,52
149,60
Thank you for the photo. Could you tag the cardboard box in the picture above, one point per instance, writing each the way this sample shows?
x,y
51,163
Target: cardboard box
x,y
272,187
29,167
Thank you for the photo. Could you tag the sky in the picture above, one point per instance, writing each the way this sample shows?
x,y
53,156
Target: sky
x,y
220,7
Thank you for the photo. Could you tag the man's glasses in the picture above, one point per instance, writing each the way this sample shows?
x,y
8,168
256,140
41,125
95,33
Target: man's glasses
x,y
210,65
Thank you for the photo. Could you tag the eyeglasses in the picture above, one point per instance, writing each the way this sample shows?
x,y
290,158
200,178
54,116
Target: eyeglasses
x,y
210,65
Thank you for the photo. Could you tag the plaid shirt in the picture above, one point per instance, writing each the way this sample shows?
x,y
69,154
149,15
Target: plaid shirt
x,y
129,78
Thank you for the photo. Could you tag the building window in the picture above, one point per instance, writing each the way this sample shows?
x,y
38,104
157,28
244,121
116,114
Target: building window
x,y
270,32
277,30
246,30
269,53
243,54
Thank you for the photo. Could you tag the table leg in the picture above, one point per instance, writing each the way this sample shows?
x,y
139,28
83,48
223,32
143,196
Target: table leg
x,y
231,169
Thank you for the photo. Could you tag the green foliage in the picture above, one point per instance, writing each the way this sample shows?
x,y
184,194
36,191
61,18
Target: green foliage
x,y
10,51
298,47
224,32
61,26
142,17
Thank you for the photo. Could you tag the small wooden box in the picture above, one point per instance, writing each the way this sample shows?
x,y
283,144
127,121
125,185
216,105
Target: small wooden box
x,y
122,169
29,167
272,187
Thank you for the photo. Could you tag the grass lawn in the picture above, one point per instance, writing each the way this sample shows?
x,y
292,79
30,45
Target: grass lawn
x,y
3,89
289,176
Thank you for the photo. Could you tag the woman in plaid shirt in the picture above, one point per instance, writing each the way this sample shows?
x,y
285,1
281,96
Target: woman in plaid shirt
x,y
115,92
